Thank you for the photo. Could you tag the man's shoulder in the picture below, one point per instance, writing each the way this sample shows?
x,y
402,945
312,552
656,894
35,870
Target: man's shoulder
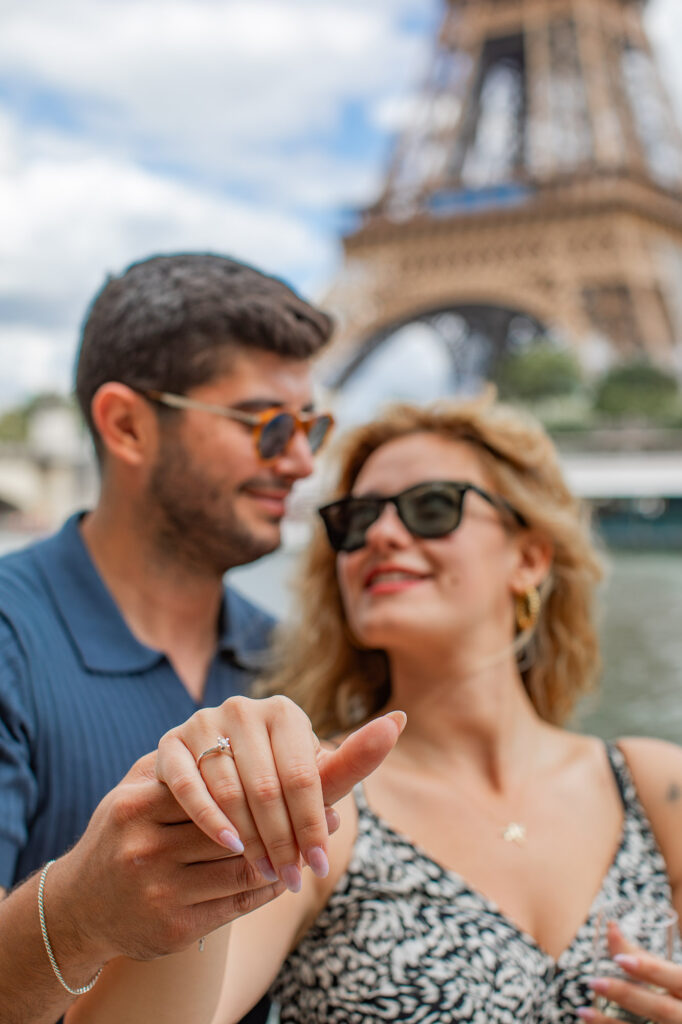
x,y
20,569
23,600
24,585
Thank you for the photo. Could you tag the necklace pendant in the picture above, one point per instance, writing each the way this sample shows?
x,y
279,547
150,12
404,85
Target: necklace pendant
x,y
515,833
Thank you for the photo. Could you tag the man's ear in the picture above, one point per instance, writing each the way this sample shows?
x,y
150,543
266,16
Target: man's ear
x,y
535,554
125,423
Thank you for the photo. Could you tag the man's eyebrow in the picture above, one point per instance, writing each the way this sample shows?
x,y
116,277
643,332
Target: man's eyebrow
x,y
259,404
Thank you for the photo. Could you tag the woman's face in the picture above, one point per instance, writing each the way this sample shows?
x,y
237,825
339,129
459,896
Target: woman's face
x,y
399,589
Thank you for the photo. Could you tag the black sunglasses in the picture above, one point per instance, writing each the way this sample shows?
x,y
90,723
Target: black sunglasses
x,y
431,509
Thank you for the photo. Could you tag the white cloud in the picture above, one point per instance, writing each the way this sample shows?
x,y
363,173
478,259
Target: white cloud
x,y
70,217
201,82
61,215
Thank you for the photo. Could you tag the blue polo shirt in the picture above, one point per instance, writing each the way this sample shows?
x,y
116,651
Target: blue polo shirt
x,y
81,698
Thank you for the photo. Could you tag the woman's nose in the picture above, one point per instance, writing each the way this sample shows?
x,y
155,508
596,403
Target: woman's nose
x,y
388,530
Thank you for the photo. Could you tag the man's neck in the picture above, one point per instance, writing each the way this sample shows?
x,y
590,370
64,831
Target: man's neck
x,y
167,606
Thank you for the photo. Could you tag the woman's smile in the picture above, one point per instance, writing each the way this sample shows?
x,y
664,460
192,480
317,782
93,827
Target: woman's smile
x,y
391,579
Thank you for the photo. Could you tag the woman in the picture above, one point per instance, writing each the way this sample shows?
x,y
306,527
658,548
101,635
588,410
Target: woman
x,y
455,582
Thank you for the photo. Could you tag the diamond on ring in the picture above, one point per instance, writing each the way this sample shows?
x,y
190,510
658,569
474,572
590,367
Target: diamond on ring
x,y
223,746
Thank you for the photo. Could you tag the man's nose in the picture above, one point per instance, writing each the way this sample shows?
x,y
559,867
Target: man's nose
x,y
297,459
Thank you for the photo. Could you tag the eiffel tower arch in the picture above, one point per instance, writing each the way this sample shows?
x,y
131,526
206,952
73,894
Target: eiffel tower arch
x,y
540,176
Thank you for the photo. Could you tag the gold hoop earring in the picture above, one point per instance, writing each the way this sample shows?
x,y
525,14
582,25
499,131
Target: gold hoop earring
x,y
527,609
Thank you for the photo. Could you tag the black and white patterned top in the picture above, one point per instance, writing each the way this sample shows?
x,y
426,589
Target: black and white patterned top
x,y
403,939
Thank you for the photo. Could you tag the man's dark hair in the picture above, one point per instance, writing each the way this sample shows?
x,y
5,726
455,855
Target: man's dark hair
x,y
167,323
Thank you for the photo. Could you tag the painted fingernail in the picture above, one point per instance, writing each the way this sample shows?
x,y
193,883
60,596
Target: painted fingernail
x,y
630,963
399,717
598,985
232,842
586,1013
266,869
317,860
291,876
333,820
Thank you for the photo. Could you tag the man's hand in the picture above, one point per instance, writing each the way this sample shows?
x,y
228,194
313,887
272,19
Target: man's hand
x,y
268,795
143,881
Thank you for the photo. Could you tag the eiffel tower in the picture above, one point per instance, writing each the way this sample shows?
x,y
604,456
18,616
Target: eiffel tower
x,y
536,190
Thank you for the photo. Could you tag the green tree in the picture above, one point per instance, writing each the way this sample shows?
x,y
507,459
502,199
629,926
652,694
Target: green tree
x,y
14,423
540,371
637,390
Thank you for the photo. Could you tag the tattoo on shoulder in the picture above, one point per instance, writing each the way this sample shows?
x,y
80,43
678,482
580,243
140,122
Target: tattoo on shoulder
x,y
673,793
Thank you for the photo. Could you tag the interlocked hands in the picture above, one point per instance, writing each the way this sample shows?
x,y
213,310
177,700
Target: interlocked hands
x,y
145,881
267,798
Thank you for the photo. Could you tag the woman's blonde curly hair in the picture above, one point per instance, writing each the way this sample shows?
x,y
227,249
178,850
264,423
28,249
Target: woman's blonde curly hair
x,y
338,684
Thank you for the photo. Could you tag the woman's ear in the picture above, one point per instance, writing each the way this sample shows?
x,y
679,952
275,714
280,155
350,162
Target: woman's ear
x,y
535,554
125,423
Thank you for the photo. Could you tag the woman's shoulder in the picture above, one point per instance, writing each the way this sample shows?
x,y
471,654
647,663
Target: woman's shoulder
x,y
656,769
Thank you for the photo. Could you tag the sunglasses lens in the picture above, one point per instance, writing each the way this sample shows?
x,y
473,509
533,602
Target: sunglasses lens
x,y
347,522
319,429
276,435
433,510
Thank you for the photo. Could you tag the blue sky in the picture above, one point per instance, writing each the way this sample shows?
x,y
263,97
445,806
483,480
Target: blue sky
x,y
245,126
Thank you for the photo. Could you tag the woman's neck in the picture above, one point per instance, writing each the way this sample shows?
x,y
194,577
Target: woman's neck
x,y
466,712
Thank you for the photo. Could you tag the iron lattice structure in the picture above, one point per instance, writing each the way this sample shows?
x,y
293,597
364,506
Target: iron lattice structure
x,y
540,176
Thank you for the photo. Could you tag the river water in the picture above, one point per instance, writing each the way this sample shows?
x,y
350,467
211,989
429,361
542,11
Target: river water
x,y
640,613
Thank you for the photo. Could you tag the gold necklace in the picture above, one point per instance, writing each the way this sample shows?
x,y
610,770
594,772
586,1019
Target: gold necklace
x,y
514,831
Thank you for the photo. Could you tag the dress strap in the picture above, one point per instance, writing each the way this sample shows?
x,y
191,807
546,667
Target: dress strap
x,y
622,775
360,798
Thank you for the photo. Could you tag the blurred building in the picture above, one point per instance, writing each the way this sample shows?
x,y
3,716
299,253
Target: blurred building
x,y
47,475
536,190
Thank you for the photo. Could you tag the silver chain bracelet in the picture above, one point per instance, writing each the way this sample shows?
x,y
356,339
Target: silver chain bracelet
x,y
48,948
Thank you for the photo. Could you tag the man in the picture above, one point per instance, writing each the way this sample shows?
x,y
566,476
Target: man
x,y
193,379
118,627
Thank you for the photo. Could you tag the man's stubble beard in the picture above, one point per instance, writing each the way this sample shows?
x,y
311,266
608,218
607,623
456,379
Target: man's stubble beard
x,y
192,520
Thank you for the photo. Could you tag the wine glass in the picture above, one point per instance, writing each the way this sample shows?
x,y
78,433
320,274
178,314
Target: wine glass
x,y
647,926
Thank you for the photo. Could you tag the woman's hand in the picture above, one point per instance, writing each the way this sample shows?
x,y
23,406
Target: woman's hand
x,y
267,797
654,994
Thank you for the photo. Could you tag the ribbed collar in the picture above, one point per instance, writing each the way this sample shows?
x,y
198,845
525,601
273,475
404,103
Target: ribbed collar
x,y
98,630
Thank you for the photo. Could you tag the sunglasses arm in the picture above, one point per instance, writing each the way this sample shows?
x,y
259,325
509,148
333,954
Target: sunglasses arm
x,y
183,402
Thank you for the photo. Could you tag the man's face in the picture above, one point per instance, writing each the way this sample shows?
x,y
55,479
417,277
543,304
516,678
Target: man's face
x,y
217,503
